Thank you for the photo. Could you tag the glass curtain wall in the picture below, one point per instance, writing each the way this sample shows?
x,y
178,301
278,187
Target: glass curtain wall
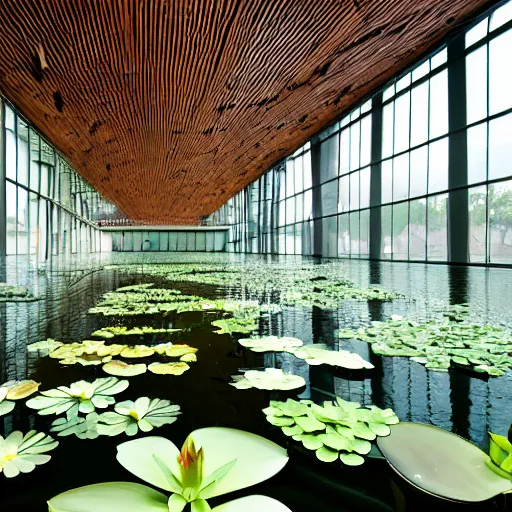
x,y
50,210
429,154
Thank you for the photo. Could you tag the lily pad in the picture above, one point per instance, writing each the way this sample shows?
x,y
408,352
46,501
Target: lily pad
x,y
270,378
122,369
168,368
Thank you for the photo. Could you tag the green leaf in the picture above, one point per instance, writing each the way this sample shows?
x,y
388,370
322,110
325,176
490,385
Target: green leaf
x,y
351,459
379,429
310,442
336,442
326,454
292,431
309,424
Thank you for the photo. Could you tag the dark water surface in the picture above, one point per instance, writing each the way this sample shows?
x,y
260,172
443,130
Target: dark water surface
x,y
458,401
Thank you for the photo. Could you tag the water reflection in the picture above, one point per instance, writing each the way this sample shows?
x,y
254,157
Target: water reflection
x,y
459,401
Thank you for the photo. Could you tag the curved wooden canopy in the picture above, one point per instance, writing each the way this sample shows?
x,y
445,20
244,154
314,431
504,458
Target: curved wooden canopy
x,y
170,107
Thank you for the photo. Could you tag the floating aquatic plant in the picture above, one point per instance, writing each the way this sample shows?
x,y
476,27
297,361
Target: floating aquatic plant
x,y
336,429
500,452
212,462
231,325
439,343
47,346
15,390
86,360
174,350
122,369
270,343
137,351
442,463
168,368
317,353
270,378
81,396
143,414
83,428
188,358
22,453
111,332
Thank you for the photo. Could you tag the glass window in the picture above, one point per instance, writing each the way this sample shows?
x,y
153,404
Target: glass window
x,y
355,132
477,33
476,85
401,177
345,151
500,73
500,16
419,114
354,191
500,222
419,163
343,235
329,159
354,233
329,192
306,162
500,147
437,228
402,117
477,204
387,130
365,187
386,213
438,166
344,194
439,104
401,231
299,186
11,211
387,181
418,229
477,153
10,155
366,141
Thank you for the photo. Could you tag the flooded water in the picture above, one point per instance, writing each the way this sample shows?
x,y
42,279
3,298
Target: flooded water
x,y
458,401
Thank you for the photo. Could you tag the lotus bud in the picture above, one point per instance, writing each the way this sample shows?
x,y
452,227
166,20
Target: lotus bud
x,y
191,464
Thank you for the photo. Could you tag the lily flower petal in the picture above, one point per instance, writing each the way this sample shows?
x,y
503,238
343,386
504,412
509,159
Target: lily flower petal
x,y
257,458
137,457
254,503
110,497
177,503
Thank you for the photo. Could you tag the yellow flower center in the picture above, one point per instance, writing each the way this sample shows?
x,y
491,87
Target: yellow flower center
x,y
134,415
7,458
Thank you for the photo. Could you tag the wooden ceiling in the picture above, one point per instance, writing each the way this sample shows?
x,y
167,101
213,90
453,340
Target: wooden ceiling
x,y
170,107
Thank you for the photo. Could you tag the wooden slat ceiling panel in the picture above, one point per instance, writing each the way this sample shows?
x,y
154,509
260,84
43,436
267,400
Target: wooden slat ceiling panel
x,y
170,107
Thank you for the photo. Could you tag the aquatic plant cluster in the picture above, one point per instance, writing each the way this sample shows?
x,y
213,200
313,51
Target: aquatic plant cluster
x,y
335,430
439,343
91,352
307,285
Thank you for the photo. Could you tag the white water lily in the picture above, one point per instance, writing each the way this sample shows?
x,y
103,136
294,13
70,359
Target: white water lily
x,y
270,378
319,354
270,343
80,396
21,454
231,459
143,413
